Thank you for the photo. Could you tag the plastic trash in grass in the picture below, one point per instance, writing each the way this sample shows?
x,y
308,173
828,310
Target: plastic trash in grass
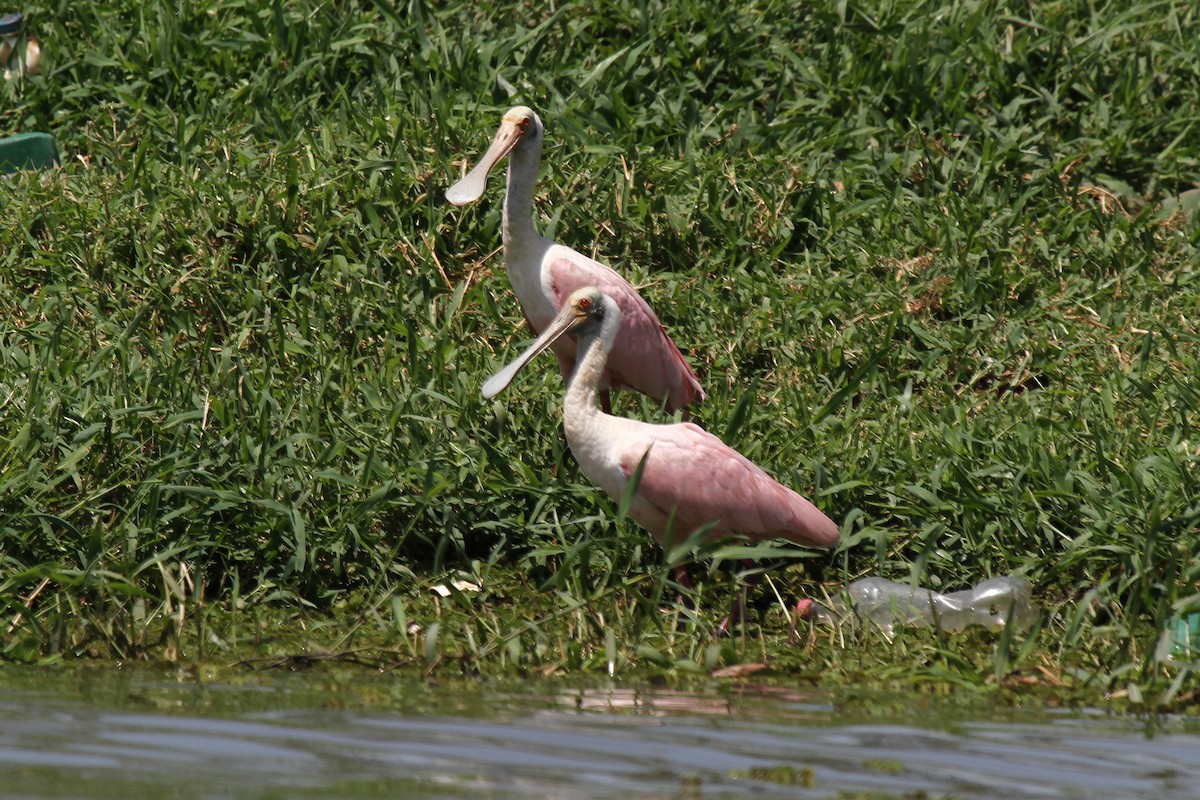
x,y
1184,632
19,54
992,604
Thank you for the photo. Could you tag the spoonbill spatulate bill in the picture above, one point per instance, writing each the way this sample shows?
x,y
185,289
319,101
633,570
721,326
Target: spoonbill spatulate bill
x,y
689,477
544,273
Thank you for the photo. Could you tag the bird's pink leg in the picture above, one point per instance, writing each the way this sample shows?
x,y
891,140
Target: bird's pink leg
x,y
737,612
682,577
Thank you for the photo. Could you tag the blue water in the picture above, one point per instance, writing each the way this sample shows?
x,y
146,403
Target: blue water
x,y
120,733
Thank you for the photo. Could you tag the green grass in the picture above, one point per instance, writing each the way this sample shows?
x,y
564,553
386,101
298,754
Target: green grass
x,y
935,265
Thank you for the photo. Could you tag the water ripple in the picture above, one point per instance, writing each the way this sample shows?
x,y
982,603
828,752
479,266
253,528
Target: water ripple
x,y
579,744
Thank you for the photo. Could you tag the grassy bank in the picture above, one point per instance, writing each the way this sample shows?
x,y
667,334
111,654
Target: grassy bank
x,y
936,268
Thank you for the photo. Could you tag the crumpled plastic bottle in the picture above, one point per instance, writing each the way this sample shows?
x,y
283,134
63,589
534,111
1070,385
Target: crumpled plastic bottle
x,y
992,603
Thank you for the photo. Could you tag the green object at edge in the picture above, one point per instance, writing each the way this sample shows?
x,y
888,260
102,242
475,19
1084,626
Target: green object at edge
x,y
27,151
1186,641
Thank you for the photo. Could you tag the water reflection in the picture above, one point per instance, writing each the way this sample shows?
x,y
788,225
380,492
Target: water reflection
x,y
775,701
114,734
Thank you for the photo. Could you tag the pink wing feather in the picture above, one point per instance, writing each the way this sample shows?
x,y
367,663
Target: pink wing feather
x,y
643,357
704,479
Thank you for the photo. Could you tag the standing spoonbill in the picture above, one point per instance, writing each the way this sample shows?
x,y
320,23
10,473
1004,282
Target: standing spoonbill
x,y
689,478
544,273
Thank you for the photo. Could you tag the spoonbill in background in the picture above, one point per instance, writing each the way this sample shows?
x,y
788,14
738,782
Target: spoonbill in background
x,y
689,478
544,273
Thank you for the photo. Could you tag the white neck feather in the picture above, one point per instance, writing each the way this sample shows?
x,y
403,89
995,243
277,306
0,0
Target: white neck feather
x,y
523,164
591,357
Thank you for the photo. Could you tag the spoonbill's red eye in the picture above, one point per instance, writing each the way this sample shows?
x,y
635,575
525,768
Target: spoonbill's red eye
x,y
584,303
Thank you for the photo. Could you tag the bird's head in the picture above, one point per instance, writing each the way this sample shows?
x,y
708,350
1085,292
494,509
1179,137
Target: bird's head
x,y
588,314
589,310
519,126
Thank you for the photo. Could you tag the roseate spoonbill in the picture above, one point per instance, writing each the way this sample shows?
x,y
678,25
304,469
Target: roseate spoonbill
x,y
689,477
544,273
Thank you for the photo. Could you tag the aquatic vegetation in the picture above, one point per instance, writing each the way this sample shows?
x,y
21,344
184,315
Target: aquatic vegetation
x,y
946,258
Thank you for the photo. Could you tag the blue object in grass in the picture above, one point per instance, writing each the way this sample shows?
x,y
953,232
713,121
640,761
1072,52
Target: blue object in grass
x,y
10,24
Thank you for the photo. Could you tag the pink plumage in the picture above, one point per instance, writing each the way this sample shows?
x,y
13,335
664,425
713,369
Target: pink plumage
x,y
543,274
692,473
690,478
643,357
